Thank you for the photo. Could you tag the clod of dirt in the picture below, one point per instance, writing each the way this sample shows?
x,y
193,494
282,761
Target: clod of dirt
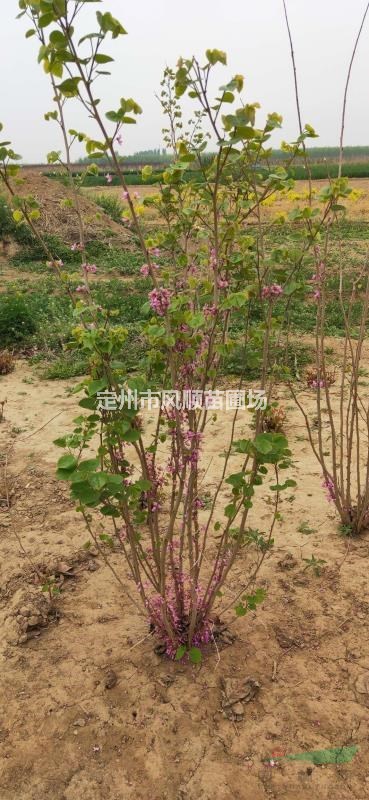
x,y
235,694
362,685
65,570
29,612
111,679
223,636
284,640
288,562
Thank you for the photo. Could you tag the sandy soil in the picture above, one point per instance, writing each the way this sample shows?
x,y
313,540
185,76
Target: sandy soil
x,y
87,710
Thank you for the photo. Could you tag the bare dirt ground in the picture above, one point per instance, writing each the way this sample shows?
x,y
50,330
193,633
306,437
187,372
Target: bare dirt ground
x,y
87,710
58,215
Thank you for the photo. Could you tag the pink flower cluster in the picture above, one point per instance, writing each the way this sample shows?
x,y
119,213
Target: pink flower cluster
x,y
57,263
89,268
272,291
329,486
77,247
145,269
156,476
222,283
210,311
176,607
213,259
160,300
317,279
192,441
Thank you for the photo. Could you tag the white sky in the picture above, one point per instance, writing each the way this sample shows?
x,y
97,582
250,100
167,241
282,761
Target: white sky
x,y
252,33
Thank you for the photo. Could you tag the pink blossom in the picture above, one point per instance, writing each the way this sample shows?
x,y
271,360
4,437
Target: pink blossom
x,y
160,300
136,195
57,263
274,290
125,195
198,503
89,267
77,247
155,251
317,294
119,139
213,259
210,311
329,486
222,283
109,178
145,269
81,289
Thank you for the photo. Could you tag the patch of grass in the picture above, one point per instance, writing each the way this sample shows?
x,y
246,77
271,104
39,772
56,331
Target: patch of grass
x,y
68,365
247,360
32,250
127,298
110,204
16,320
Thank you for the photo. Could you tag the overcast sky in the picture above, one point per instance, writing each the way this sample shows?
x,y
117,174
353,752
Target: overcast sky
x,y
252,33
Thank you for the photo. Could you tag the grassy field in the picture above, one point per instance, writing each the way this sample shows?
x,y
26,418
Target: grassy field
x,y
36,317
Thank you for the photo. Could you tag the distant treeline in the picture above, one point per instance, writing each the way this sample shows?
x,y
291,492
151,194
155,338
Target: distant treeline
x,y
141,157
323,170
316,155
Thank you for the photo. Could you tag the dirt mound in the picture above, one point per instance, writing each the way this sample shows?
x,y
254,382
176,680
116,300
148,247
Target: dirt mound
x,y
58,215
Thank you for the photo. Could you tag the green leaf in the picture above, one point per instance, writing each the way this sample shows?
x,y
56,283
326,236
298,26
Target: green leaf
x,y
98,480
146,172
132,435
108,23
89,464
195,655
30,32
263,443
83,492
143,485
215,56
96,386
61,442
67,462
46,19
181,650
69,88
57,39
254,599
237,480
100,58
88,402
230,510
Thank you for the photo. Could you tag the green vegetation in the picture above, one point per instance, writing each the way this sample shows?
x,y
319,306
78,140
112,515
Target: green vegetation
x,y
36,315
